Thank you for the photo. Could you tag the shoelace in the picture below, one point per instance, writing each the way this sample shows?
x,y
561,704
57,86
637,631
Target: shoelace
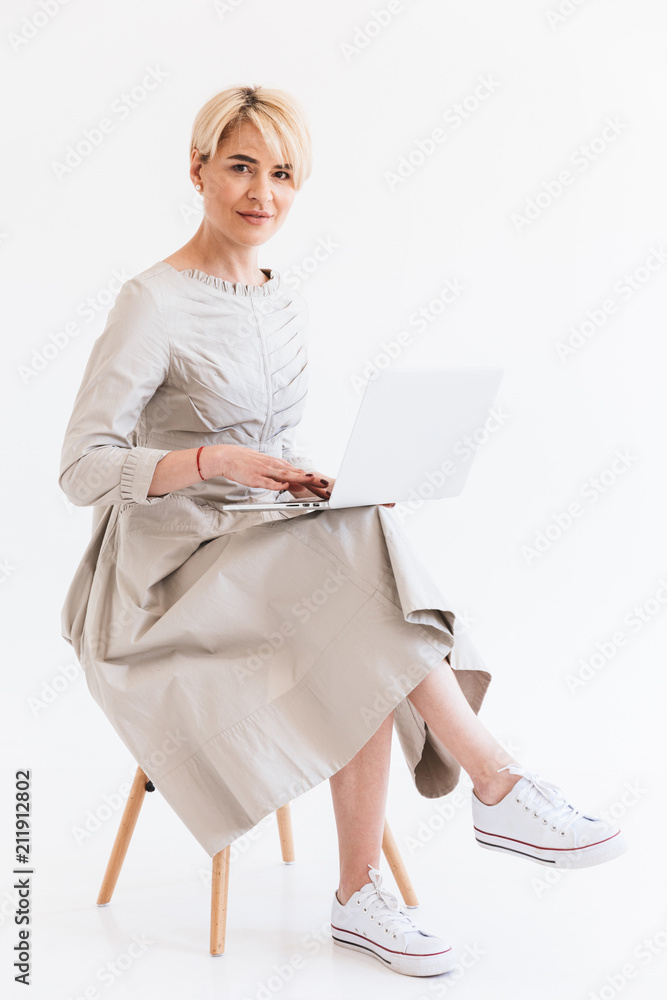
x,y
547,800
385,906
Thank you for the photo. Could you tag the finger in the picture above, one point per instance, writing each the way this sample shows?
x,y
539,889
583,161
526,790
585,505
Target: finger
x,y
282,469
273,484
314,483
316,478
290,475
319,491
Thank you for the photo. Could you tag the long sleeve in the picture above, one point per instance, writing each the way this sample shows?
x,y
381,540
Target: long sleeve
x,y
101,462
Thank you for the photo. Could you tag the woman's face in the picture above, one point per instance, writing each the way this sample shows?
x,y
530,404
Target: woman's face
x,y
241,179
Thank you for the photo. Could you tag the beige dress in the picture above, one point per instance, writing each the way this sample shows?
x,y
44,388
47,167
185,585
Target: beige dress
x,y
241,656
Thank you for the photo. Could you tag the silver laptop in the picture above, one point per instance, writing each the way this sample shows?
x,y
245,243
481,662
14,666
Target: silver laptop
x,y
408,440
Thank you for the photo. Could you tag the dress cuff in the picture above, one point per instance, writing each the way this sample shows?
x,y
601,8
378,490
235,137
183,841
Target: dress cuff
x,y
137,473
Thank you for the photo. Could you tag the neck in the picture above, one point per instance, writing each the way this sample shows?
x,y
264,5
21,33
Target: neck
x,y
214,255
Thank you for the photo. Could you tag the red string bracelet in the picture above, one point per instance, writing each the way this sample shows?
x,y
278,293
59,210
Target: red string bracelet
x,y
198,469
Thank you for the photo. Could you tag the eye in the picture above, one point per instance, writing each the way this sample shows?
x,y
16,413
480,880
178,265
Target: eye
x,y
238,167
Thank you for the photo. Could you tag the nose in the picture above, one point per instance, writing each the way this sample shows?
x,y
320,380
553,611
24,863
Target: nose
x,y
260,189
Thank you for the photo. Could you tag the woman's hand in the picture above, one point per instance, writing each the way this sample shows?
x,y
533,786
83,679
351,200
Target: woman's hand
x,y
317,485
253,468
302,494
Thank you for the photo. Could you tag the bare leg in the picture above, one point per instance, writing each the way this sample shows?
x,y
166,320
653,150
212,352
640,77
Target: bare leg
x,y
443,706
359,793
362,783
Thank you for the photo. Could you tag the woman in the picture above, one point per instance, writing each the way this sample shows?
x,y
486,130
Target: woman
x,y
244,656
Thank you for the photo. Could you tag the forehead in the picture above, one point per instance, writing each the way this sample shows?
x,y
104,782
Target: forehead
x,y
245,136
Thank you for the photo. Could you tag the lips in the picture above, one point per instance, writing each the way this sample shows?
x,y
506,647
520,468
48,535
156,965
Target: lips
x,y
255,220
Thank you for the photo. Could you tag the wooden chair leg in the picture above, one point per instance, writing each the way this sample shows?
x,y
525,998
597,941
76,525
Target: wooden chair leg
x,y
285,830
122,842
398,869
219,894
220,879
220,862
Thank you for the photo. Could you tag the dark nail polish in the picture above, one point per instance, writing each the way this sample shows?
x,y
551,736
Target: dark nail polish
x,y
325,481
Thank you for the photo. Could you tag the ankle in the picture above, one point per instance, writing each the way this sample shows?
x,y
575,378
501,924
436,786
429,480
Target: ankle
x,y
492,788
347,887
343,895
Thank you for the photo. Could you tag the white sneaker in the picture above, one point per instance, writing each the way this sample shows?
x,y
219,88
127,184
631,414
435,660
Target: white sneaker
x,y
373,923
535,820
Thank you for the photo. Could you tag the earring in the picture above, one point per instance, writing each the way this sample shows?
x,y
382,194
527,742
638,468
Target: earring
x,y
198,187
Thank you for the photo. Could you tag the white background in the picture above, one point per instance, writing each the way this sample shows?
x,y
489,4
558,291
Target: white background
x,y
372,95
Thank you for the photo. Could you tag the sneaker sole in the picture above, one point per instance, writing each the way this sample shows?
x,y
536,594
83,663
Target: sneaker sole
x,y
583,857
407,965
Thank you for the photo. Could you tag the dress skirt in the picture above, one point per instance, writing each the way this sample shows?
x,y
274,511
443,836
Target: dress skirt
x,y
244,656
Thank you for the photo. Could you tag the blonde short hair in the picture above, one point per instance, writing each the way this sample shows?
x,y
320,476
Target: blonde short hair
x,y
278,116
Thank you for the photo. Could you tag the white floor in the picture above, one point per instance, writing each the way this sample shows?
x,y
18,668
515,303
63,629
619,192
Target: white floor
x,y
520,929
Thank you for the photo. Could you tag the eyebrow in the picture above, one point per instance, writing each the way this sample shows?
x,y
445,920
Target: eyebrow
x,y
250,159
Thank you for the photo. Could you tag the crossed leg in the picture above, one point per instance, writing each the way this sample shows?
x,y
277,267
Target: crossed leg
x,y
359,789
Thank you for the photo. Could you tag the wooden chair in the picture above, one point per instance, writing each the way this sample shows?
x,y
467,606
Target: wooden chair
x,y
220,862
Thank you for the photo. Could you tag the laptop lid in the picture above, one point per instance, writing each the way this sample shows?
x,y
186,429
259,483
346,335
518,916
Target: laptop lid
x,y
408,438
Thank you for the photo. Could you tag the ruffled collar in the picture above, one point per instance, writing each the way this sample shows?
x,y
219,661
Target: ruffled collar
x,y
233,287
